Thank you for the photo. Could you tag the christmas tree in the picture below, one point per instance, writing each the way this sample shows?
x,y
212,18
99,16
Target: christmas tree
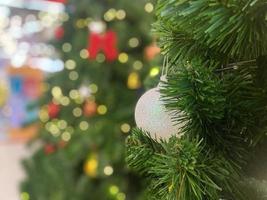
x,y
86,111
202,131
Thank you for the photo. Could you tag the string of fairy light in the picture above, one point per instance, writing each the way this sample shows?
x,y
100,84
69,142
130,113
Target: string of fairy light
x,y
74,95
61,128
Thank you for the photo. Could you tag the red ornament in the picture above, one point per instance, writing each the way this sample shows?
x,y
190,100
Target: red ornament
x,y
53,110
49,149
89,108
151,51
106,42
59,33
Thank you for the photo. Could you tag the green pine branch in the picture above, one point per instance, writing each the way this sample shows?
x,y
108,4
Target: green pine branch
x,y
236,29
182,168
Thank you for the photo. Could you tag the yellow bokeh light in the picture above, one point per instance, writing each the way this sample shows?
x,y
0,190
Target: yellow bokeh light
x,y
66,47
80,23
62,124
100,58
84,125
108,170
66,136
138,65
121,14
149,7
133,42
133,81
77,112
121,196
56,92
102,109
93,88
73,75
43,115
110,15
79,100
84,53
74,94
65,101
53,129
125,128
154,71
91,165
25,196
70,64
123,57
113,190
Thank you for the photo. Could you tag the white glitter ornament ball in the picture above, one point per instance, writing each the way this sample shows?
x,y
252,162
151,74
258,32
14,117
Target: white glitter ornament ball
x,y
152,116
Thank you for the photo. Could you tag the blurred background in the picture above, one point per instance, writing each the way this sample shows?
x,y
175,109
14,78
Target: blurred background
x,y
71,73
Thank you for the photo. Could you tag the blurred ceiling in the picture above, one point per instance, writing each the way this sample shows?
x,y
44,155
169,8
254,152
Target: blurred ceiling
x,y
26,27
41,5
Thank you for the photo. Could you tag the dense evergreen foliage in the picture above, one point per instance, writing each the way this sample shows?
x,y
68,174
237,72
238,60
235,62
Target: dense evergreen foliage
x,y
216,86
87,109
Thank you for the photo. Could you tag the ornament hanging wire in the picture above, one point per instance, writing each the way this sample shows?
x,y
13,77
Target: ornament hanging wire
x,y
165,68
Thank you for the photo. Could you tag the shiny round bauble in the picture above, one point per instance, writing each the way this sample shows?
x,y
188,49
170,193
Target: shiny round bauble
x,y
151,116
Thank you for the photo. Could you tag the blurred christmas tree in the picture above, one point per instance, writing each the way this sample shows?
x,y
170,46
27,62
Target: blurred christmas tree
x,y
87,108
210,107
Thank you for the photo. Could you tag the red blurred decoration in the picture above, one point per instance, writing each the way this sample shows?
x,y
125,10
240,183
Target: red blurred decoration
x,y
59,33
151,51
89,108
58,1
106,42
49,149
62,144
31,87
53,110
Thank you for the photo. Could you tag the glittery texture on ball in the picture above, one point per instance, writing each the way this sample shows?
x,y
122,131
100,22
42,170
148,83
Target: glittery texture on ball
x,y
152,116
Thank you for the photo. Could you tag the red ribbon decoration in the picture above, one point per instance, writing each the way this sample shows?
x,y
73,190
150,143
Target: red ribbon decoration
x,y
106,42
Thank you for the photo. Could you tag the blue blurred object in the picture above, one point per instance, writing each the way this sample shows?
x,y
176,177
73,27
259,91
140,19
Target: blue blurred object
x,y
22,94
16,83
17,104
